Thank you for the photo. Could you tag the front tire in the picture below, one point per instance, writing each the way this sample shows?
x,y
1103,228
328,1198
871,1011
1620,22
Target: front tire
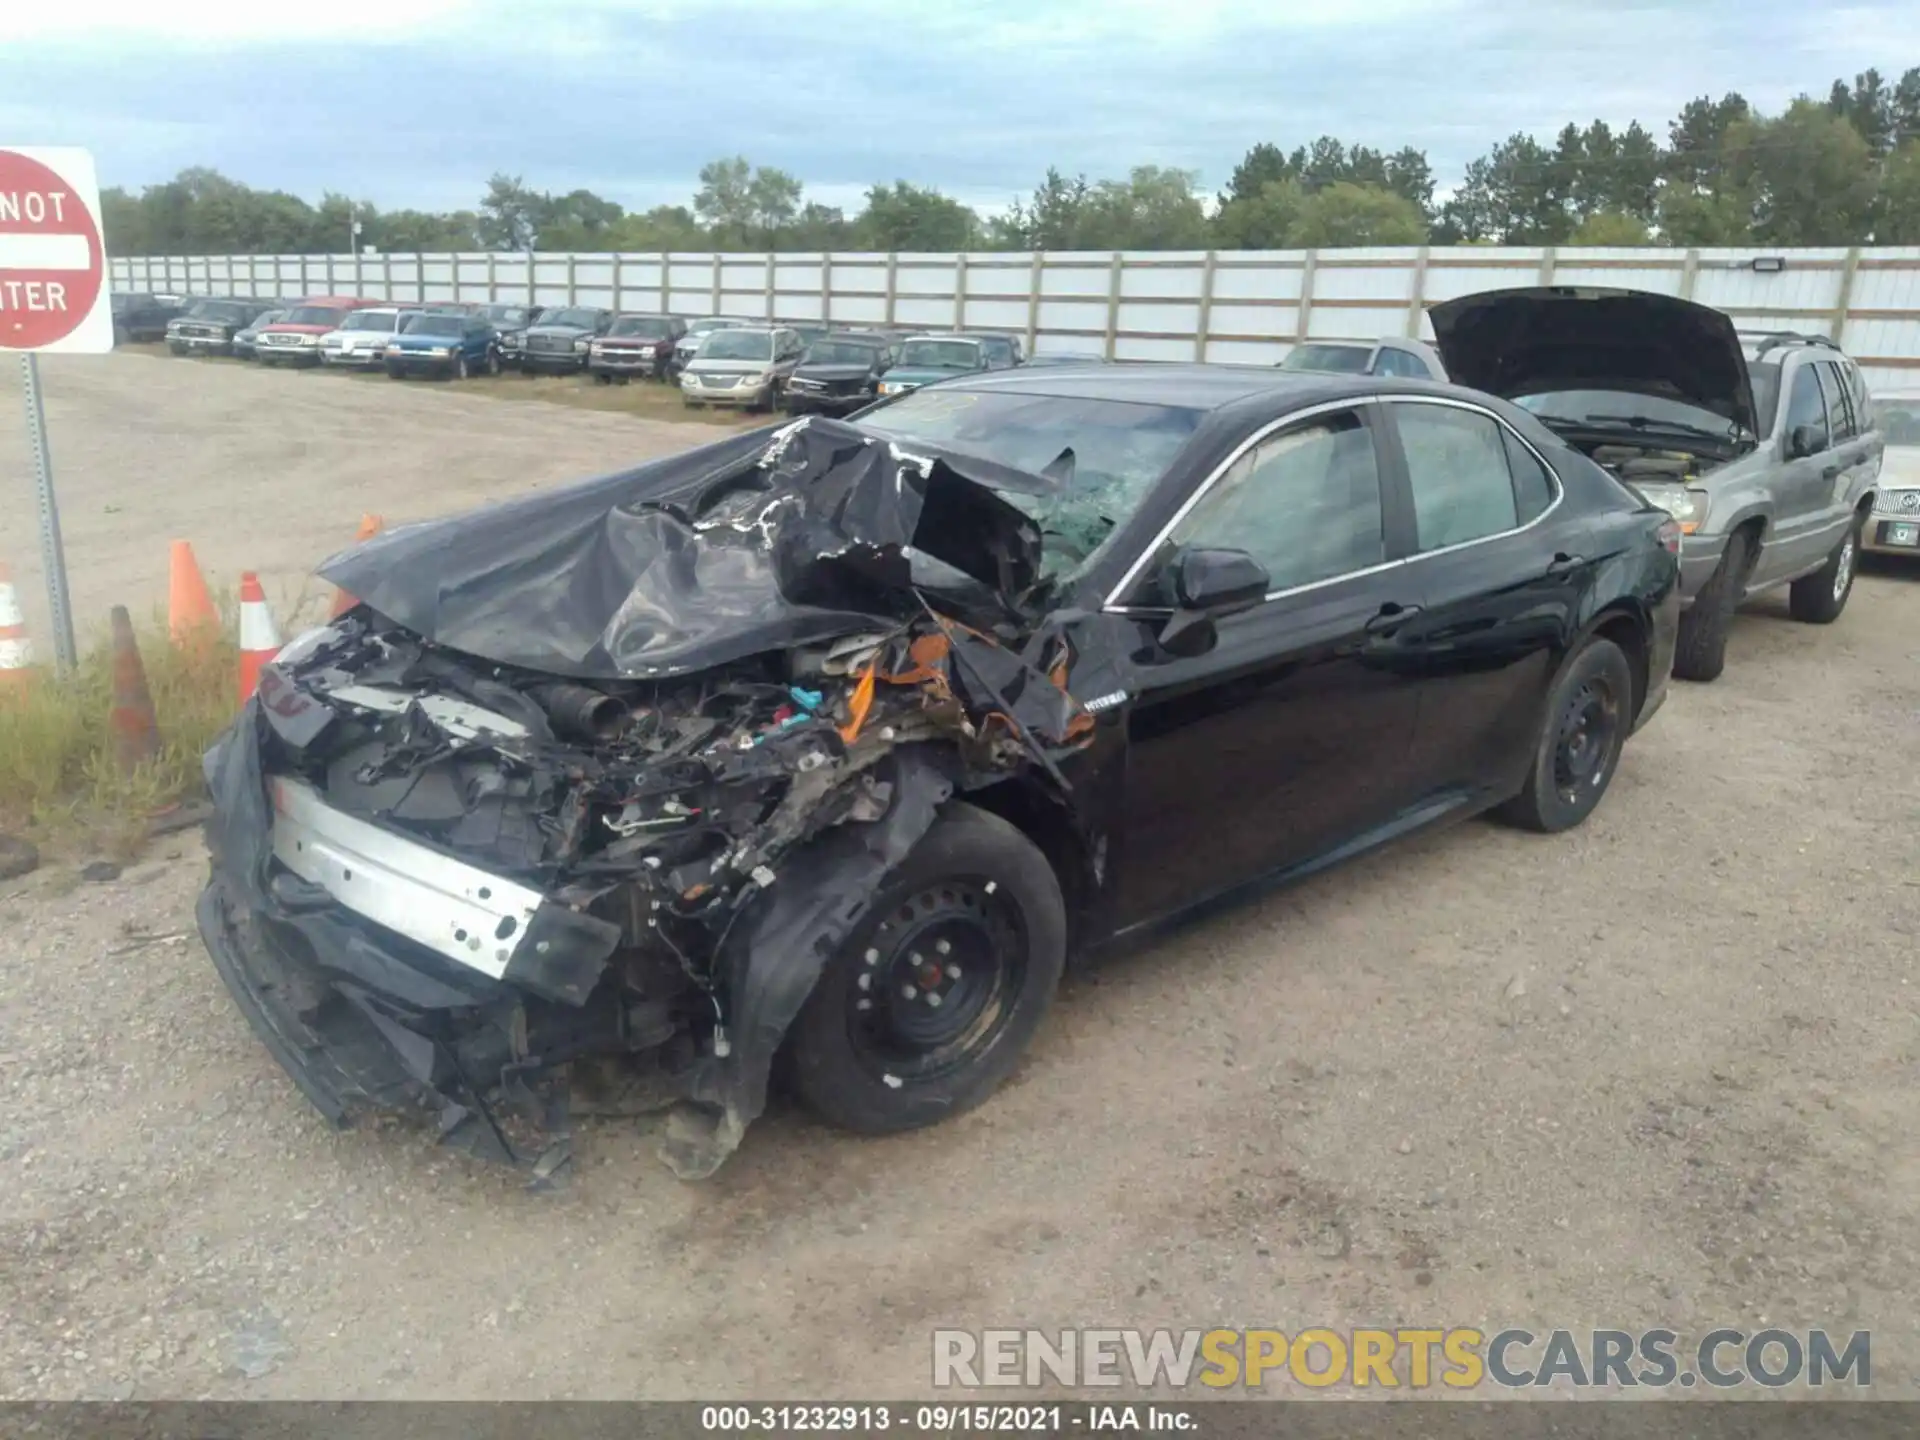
x,y
1700,653
460,369
931,1003
1818,599
1587,719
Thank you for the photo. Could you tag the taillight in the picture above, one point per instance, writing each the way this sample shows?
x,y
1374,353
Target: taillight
x,y
1669,533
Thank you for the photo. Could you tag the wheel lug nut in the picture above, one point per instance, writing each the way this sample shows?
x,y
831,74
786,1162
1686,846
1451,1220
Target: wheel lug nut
x,y
914,959
953,972
944,946
933,998
907,992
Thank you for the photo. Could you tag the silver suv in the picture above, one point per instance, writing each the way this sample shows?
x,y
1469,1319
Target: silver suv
x,y
1770,464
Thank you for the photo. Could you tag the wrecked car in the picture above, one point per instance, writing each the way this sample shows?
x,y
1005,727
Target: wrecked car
x,y
831,743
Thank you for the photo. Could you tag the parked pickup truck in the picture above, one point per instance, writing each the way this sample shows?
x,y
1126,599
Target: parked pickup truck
x,y
208,326
296,339
635,345
360,340
557,344
1770,465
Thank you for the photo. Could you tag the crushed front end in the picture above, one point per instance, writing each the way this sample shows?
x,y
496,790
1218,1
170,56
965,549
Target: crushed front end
x,y
442,881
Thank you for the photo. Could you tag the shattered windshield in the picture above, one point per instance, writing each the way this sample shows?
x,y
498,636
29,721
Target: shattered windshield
x,y
505,314
1107,453
942,354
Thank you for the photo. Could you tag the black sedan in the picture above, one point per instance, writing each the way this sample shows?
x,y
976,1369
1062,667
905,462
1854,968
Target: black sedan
x,y
843,739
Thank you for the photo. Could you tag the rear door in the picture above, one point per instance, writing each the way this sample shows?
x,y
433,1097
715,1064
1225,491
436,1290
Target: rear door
x,y
1498,573
1856,455
1802,516
1291,736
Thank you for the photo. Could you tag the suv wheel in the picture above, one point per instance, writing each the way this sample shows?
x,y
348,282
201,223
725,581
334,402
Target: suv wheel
x,y
1701,651
1587,720
932,1001
1818,599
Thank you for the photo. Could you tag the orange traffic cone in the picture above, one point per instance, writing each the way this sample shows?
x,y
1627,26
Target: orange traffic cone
x,y
191,618
370,526
259,640
16,650
136,733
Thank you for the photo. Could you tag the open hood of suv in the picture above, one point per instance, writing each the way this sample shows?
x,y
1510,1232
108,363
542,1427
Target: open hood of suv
x,y
1540,339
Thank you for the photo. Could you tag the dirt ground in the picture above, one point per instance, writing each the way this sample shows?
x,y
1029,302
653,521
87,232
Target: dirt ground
x,y
1660,1071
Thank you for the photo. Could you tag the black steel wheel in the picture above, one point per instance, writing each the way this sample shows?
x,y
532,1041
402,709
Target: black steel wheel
x,y
935,997
1588,718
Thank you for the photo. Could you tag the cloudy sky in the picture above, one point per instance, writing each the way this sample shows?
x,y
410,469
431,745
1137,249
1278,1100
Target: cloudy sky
x,y
416,102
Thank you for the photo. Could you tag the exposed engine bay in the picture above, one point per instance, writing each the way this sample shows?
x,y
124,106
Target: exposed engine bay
x,y
1648,464
443,876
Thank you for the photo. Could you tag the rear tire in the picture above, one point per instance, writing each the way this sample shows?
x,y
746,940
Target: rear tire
x,y
1700,653
974,917
1588,716
1818,599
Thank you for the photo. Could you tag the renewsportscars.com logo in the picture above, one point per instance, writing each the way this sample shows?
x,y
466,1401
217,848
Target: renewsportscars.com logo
x,y
1459,1358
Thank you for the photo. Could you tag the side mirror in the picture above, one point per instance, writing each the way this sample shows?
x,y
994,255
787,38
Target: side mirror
x,y
1206,585
1804,440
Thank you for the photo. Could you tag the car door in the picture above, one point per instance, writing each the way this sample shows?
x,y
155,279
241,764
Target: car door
x,y
1290,737
1855,456
1796,536
1498,581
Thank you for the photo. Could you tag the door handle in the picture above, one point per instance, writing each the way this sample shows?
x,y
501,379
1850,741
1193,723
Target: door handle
x,y
1565,564
1832,472
1391,617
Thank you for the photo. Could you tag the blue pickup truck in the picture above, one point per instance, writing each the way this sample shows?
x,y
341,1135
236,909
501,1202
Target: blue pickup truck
x,y
444,344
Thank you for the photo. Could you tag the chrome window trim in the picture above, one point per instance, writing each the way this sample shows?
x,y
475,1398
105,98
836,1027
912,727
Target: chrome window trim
x,y
1112,606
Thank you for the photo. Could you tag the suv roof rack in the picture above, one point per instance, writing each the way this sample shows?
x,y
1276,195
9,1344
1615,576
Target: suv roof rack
x,y
1765,340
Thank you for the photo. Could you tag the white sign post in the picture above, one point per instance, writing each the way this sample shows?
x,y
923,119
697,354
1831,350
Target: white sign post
x,y
53,297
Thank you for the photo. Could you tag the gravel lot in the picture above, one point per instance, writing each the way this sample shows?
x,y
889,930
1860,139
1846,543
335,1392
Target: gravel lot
x,y
1660,1071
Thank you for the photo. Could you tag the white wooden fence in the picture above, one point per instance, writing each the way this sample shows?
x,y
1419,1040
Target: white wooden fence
x,y
1236,306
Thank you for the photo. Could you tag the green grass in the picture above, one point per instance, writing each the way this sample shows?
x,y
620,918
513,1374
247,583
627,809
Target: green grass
x,y
57,773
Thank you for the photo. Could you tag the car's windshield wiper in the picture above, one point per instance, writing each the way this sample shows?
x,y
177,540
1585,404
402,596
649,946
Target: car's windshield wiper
x,y
1648,422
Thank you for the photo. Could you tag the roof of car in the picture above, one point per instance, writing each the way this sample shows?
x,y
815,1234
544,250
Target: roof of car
x,y
1197,387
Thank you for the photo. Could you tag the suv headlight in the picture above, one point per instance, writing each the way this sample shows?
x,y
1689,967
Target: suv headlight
x,y
1689,507
582,345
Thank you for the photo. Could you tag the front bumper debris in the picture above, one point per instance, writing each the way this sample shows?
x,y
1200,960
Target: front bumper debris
x,y
441,882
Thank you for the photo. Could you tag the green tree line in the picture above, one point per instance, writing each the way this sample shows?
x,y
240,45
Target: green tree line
x,y
1843,170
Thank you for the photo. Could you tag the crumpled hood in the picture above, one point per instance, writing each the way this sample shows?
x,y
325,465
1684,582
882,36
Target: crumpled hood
x,y
756,543
1535,340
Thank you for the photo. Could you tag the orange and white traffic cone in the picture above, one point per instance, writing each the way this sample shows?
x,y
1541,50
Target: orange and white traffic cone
x,y
191,618
370,526
259,640
16,650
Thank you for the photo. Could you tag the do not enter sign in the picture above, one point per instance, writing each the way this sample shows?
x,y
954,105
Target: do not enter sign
x,y
53,291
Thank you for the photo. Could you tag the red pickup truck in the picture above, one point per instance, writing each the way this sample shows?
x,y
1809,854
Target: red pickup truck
x,y
296,339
